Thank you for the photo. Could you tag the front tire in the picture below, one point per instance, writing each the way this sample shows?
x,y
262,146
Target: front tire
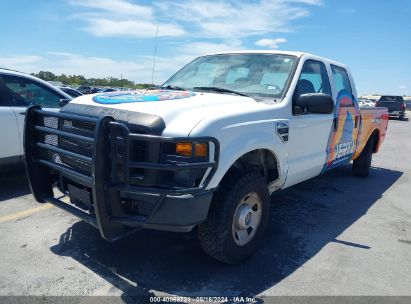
x,y
361,165
237,219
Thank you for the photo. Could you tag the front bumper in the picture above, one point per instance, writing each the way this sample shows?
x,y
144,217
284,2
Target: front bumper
x,y
179,213
96,171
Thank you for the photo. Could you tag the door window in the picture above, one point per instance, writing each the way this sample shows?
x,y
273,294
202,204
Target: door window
x,y
314,78
24,92
341,79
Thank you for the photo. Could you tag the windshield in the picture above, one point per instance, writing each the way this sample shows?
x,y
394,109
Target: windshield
x,y
263,75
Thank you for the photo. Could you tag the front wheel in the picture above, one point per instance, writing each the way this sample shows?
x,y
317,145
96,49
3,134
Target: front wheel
x,y
237,219
361,165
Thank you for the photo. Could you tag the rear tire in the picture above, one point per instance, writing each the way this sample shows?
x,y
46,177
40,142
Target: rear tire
x,y
241,202
361,165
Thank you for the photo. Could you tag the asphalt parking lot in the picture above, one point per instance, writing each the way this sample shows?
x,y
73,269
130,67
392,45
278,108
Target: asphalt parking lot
x,y
332,235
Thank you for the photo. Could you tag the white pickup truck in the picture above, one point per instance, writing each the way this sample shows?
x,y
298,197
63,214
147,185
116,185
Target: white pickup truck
x,y
206,149
17,92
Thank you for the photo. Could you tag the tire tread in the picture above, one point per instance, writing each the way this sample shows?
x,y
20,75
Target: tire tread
x,y
213,233
361,165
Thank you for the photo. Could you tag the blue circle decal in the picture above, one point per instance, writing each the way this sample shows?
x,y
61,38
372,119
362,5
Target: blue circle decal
x,y
140,96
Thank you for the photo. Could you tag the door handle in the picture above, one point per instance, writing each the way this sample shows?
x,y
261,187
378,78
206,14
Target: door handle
x,y
335,124
22,113
356,121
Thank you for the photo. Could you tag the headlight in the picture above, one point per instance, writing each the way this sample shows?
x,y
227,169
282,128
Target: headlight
x,y
192,149
184,152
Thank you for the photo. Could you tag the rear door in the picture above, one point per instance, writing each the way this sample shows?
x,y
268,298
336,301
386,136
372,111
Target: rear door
x,y
347,121
10,148
24,92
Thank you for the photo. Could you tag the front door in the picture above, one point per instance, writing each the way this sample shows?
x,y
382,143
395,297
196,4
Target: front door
x,y
24,92
10,149
309,133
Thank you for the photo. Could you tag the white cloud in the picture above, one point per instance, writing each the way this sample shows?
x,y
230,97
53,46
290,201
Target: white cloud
x,y
201,48
131,28
139,69
206,19
13,60
206,26
116,6
119,18
227,19
19,63
312,2
63,54
271,43
67,63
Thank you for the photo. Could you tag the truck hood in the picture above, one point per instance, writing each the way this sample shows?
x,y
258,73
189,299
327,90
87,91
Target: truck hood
x,y
179,110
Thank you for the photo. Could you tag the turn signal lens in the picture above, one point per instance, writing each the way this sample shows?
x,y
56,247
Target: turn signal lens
x,y
200,150
184,148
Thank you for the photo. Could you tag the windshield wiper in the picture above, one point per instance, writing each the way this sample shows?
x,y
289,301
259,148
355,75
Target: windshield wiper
x,y
173,87
219,90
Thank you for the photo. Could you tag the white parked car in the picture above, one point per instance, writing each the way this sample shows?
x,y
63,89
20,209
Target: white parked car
x,y
366,103
18,91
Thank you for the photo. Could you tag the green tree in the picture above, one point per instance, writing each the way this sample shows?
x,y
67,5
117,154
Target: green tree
x,y
76,80
46,75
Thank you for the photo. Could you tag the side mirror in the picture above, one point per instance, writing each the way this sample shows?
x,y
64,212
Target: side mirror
x,y
316,103
63,102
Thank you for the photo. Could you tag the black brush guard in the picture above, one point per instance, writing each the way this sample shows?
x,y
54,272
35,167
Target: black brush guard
x,y
92,157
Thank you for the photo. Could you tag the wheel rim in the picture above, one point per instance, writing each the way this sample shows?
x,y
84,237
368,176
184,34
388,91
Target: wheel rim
x,y
247,218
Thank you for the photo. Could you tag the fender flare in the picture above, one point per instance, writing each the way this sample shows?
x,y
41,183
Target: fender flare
x,y
226,163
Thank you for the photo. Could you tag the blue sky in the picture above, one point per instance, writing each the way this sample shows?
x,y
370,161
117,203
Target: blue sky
x,y
100,38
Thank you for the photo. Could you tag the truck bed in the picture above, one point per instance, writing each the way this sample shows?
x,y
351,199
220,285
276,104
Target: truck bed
x,y
372,120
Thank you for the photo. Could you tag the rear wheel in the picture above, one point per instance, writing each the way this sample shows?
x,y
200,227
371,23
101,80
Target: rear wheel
x,y
237,219
361,165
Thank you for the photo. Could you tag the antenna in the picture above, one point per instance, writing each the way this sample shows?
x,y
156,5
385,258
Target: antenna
x,y
154,56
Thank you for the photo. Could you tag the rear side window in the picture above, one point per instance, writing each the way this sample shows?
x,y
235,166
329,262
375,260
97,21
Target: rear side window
x,y
391,98
341,79
24,92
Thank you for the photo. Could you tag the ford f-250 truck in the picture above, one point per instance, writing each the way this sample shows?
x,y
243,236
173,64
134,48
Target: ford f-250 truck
x,y
206,149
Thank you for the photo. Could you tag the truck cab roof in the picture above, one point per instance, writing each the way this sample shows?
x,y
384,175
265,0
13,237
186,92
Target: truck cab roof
x,y
277,52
